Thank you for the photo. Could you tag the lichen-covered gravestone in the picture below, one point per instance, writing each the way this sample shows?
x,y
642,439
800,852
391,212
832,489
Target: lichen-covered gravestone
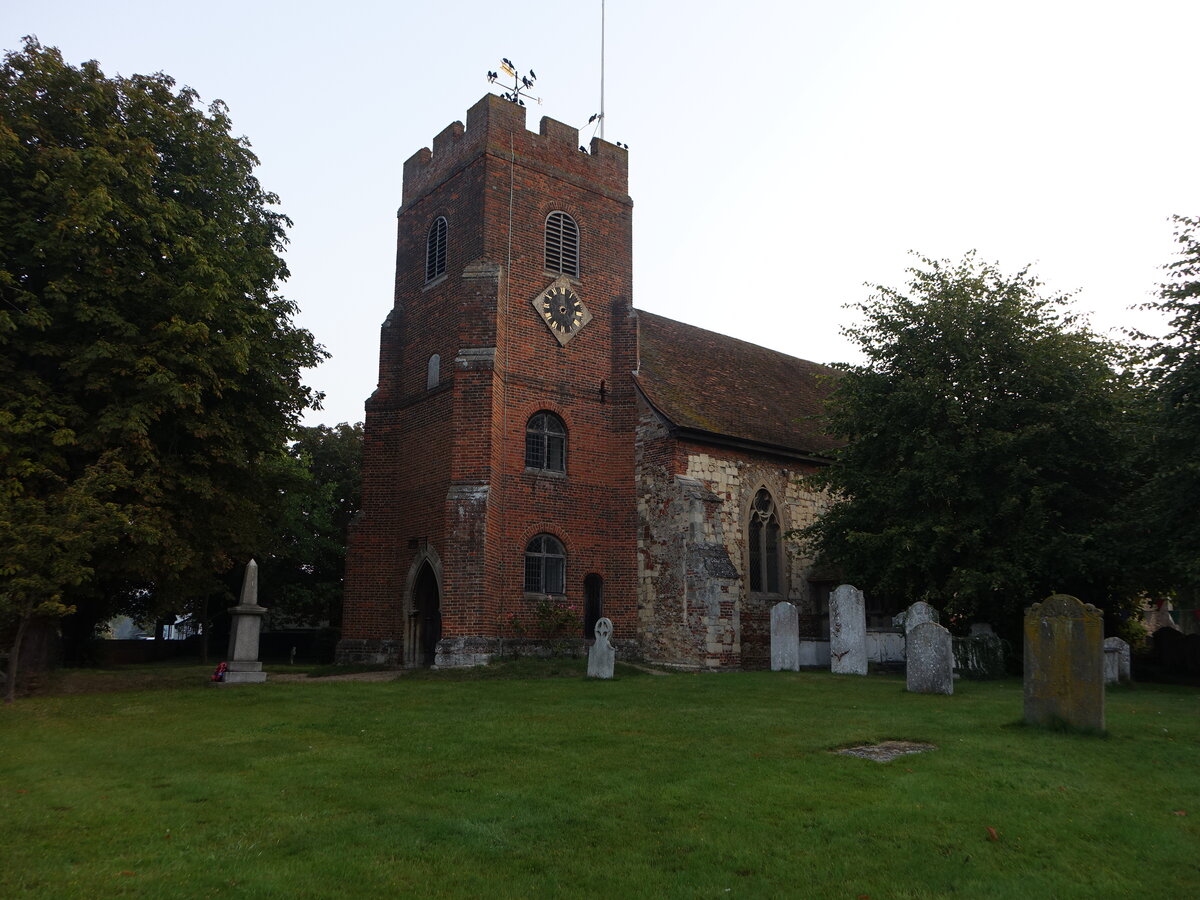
x,y
916,614
847,631
785,637
1064,663
601,655
244,665
1116,661
929,659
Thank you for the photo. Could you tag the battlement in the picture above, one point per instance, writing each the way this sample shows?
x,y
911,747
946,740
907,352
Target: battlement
x,y
497,127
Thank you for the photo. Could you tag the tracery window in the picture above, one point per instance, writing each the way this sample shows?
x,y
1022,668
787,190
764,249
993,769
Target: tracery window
x,y
435,249
764,539
546,443
562,244
545,566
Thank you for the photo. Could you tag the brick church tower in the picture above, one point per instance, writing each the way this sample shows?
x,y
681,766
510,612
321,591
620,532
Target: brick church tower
x,y
499,454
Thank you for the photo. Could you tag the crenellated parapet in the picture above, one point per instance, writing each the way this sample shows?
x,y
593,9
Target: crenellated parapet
x,y
496,127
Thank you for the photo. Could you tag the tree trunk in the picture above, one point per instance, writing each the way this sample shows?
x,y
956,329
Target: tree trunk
x,y
10,686
204,628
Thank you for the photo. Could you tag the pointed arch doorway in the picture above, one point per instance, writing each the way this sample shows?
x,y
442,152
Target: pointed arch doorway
x,y
426,617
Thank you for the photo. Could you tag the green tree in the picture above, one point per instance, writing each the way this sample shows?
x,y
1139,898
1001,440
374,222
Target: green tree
x,y
989,438
1171,515
149,370
305,571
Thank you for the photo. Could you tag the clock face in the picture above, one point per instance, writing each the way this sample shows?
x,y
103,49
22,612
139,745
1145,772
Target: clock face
x,y
561,310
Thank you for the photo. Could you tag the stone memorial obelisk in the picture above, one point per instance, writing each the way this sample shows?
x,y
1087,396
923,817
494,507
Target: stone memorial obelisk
x,y
244,664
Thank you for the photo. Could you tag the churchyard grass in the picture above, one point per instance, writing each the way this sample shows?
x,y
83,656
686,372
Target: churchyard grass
x,y
524,786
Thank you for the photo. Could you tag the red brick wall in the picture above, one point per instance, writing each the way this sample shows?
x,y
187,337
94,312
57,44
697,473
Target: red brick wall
x,y
447,466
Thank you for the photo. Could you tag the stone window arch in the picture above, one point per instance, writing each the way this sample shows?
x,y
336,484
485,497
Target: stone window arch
x,y
562,244
764,538
545,565
435,249
433,372
546,442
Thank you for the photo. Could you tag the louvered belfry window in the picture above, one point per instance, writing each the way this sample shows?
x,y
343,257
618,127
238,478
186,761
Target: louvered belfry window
x,y
562,244
435,249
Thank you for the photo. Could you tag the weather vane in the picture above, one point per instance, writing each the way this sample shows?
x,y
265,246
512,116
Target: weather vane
x,y
522,84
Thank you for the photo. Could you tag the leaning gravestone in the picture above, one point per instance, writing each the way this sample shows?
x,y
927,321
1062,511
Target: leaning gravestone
x,y
785,637
601,655
916,614
244,665
847,631
1116,661
1064,663
929,661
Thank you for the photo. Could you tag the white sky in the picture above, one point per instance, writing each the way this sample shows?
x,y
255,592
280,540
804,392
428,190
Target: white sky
x,y
781,153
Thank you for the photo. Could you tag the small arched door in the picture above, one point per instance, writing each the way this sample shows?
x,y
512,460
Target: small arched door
x,y
593,604
428,608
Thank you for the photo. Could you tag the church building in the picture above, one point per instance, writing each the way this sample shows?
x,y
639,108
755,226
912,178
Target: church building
x,y
536,439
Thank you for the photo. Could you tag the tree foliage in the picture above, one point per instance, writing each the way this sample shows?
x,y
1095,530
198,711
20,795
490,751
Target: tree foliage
x,y
1172,506
149,370
988,447
305,571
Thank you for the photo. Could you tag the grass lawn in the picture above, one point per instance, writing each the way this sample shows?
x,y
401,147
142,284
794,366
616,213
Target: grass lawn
x,y
519,786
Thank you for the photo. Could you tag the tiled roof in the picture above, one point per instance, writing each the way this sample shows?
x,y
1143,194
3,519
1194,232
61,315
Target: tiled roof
x,y
712,383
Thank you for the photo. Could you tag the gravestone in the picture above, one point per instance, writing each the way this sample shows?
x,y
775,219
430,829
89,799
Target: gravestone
x,y
916,614
979,629
930,660
847,631
244,665
1116,661
1064,663
601,655
785,637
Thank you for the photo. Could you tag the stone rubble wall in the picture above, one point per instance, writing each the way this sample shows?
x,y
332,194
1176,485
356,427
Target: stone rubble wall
x,y
693,502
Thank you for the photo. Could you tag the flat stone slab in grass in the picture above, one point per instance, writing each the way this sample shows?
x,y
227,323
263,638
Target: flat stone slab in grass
x,y
886,751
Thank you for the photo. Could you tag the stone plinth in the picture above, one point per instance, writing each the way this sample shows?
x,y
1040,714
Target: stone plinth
x,y
601,655
930,663
847,631
1064,663
785,638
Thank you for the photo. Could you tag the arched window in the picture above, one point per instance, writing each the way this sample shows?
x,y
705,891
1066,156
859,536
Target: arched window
x,y
545,566
546,443
435,249
433,372
562,244
764,540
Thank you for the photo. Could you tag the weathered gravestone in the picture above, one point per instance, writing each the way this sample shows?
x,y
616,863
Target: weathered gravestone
x,y
601,655
1064,663
929,659
916,614
1116,661
847,631
785,637
244,665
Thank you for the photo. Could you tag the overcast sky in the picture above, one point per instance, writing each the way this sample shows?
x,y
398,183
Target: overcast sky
x,y
782,154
